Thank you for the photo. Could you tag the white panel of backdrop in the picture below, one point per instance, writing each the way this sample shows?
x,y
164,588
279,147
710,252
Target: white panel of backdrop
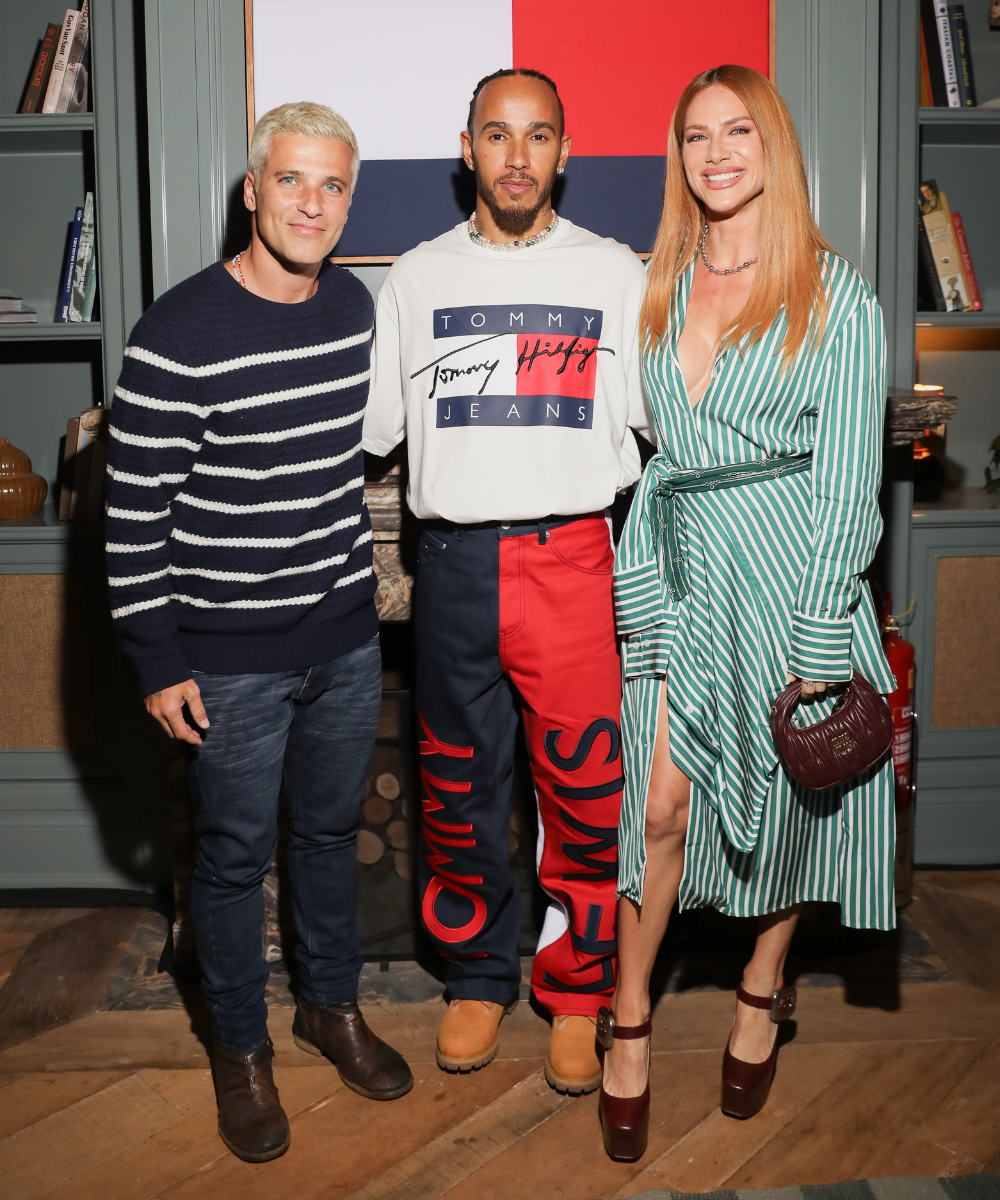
x,y
400,71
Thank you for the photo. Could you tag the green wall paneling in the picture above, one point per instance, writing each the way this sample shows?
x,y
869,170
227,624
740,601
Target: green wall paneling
x,y
117,54
958,812
827,56
958,781
896,272
196,96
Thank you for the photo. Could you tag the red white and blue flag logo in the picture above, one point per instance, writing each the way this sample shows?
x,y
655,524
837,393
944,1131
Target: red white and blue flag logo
x,y
402,72
517,364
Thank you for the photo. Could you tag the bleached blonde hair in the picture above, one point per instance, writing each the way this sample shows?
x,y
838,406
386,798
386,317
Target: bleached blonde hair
x,y
305,118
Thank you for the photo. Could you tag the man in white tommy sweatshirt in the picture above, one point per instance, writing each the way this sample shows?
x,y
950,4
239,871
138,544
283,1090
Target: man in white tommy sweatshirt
x,y
506,352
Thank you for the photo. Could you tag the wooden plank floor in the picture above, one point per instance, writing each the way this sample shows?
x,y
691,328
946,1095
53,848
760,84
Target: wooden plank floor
x,y
118,1105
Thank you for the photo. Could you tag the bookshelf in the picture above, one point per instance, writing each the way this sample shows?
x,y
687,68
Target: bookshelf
x,y
954,552
78,808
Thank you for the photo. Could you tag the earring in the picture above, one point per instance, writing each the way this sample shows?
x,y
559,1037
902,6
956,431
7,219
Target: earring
x,y
559,170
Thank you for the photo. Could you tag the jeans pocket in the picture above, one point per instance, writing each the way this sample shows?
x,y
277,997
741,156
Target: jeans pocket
x,y
431,545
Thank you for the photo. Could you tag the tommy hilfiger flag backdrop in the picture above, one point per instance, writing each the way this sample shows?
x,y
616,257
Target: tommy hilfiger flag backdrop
x,y
402,73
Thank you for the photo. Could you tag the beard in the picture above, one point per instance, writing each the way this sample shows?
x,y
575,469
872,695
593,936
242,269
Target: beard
x,y
517,218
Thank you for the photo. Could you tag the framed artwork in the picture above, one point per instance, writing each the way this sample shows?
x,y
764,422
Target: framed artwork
x,y
402,73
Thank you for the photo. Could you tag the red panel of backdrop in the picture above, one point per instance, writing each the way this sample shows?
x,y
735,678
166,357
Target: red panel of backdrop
x,y
620,67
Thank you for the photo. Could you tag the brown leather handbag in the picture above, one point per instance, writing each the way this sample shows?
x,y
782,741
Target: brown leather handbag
x,y
854,737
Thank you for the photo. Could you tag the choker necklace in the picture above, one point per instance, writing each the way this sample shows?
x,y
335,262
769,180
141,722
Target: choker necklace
x,y
520,244
714,270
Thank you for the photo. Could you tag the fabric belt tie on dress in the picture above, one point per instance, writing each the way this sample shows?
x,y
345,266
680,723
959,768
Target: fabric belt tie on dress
x,y
662,511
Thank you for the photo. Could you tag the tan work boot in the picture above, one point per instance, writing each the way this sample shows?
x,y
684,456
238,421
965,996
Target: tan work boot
x,y
572,1065
467,1038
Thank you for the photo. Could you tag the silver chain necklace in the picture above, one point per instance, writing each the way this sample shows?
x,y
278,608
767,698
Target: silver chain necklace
x,y
714,270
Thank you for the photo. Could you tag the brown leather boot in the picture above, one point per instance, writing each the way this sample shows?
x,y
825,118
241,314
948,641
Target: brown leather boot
x,y
468,1035
252,1122
572,1065
366,1064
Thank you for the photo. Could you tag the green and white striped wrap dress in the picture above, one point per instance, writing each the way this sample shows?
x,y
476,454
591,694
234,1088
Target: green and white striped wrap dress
x,y
772,572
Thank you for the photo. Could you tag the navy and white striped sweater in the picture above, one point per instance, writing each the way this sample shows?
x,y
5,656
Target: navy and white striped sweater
x,y
237,535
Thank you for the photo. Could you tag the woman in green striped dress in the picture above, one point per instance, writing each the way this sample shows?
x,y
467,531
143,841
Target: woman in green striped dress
x,y
738,571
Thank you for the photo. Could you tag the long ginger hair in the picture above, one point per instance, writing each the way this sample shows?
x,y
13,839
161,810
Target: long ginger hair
x,y
789,268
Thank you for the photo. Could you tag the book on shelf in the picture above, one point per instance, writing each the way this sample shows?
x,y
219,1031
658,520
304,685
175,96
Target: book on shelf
x,y
953,293
945,265
81,485
20,316
946,75
932,54
972,287
73,96
84,261
946,48
963,55
64,47
62,309
930,298
90,289
926,92
10,301
38,81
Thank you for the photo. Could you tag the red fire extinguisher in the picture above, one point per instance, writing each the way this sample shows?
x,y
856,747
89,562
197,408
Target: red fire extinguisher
x,y
900,654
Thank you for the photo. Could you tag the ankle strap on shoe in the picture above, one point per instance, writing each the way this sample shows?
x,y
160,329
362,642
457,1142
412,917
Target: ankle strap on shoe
x,y
608,1030
780,1004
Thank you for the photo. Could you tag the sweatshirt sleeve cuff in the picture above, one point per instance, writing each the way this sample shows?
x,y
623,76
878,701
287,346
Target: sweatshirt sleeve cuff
x,y
160,668
821,649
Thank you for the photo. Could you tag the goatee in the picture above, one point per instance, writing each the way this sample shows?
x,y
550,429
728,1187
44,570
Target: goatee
x,y
517,219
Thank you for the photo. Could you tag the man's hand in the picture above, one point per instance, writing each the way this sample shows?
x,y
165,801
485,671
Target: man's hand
x,y
167,707
810,687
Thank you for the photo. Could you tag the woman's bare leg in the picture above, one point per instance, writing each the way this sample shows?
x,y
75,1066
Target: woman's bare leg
x,y
641,928
753,1030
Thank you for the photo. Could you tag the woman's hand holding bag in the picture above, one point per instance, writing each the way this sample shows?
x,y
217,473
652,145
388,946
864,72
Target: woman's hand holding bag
x,y
855,736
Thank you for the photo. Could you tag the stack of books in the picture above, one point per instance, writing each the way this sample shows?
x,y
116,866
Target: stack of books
x,y
946,76
946,280
59,79
81,480
13,310
76,301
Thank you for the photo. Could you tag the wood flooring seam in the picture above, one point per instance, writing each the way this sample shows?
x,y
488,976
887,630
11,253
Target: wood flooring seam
x,y
417,1175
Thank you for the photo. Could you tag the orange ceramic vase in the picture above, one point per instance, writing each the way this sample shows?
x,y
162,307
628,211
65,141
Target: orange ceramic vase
x,y
22,492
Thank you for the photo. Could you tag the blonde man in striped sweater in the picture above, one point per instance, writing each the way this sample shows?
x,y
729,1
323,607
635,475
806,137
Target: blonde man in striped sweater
x,y
240,568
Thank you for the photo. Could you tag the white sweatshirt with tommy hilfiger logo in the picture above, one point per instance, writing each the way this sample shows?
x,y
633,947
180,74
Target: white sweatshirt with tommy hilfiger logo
x,y
513,375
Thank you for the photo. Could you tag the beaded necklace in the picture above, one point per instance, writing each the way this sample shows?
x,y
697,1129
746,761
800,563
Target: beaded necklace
x,y
239,272
508,247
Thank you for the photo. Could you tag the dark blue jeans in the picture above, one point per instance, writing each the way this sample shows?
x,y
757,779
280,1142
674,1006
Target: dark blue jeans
x,y
312,731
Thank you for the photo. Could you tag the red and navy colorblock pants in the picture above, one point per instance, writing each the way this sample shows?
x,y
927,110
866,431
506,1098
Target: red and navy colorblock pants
x,y
508,618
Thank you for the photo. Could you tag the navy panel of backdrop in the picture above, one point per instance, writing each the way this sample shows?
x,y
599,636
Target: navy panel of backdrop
x,y
400,202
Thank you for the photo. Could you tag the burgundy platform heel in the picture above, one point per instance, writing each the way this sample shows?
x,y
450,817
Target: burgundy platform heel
x,y
745,1086
624,1119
